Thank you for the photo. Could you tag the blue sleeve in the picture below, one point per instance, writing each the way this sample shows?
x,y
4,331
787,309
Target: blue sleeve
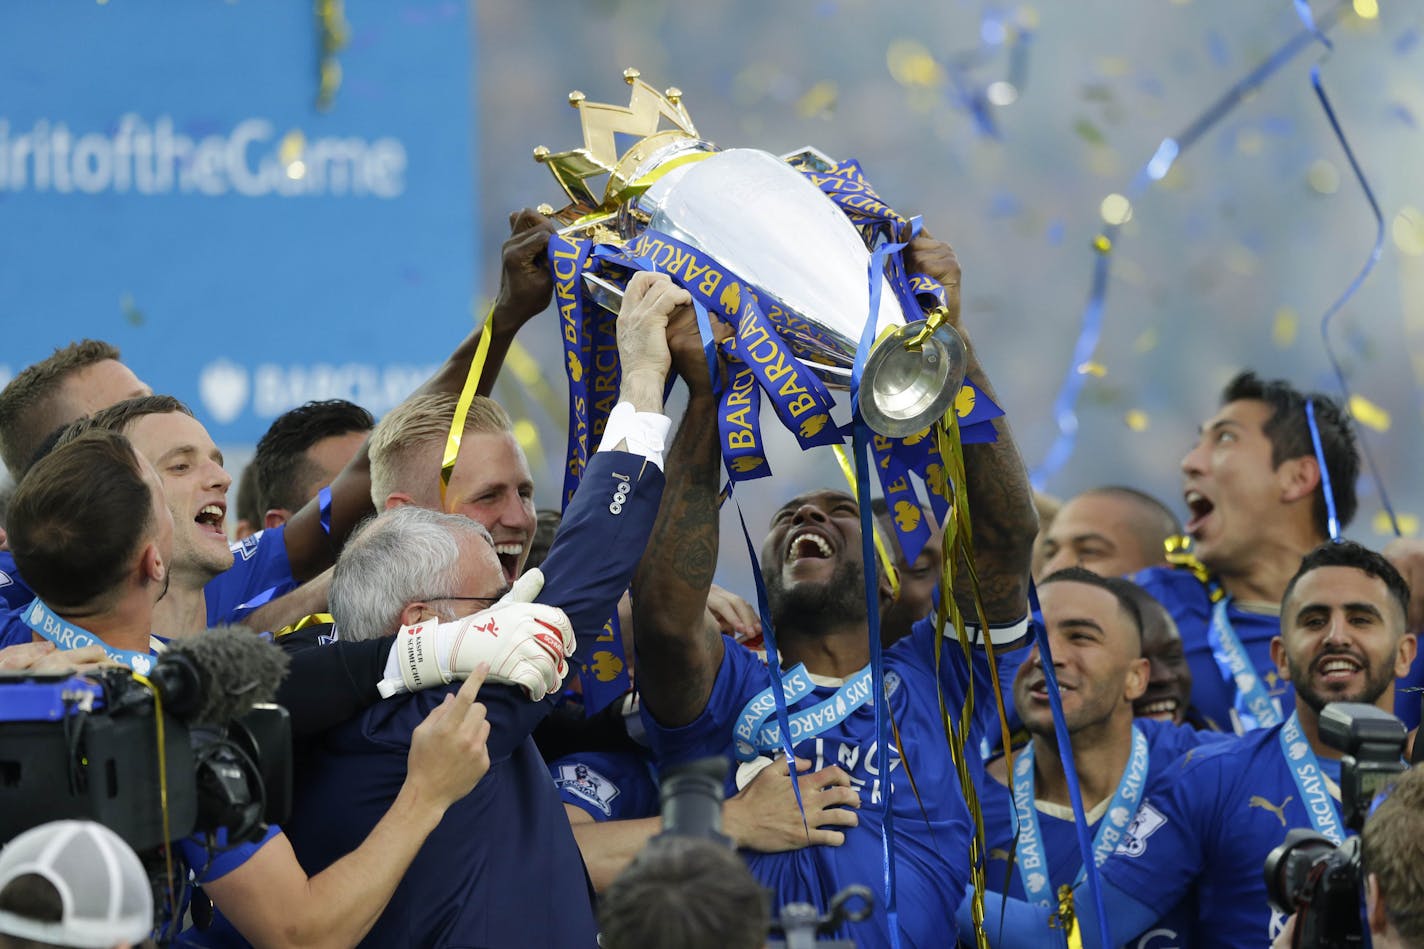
x,y
260,573
208,867
607,785
740,676
953,675
13,630
600,540
14,593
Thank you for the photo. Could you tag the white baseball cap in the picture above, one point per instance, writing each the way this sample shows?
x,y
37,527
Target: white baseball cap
x,y
103,888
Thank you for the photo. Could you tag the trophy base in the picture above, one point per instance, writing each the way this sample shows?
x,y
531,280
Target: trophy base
x,y
904,391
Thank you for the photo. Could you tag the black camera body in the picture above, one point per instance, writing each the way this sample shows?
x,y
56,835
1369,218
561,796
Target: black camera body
x,y
88,747
1308,874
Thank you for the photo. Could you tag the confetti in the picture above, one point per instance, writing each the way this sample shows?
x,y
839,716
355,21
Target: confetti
x,y
131,313
1323,177
819,100
1088,132
1136,420
1408,524
1407,230
1285,326
1115,209
1367,9
1368,414
1146,341
912,65
1095,369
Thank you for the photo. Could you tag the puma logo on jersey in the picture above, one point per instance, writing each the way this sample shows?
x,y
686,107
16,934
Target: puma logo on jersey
x,y
1265,805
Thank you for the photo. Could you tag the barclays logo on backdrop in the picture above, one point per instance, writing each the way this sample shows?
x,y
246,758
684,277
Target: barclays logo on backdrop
x,y
228,389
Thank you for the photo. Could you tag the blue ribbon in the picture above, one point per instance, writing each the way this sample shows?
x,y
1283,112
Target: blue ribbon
x,y
1032,858
567,259
323,501
1167,152
65,636
1310,782
1369,265
1070,769
1252,705
1332,520
754,735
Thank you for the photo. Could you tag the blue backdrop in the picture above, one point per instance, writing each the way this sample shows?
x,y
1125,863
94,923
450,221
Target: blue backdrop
x,y
168,184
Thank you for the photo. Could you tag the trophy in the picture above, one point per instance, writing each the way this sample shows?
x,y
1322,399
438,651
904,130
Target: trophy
x,y
764,220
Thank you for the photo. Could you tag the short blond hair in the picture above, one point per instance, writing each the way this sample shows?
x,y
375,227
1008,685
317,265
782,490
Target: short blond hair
x,y
402,444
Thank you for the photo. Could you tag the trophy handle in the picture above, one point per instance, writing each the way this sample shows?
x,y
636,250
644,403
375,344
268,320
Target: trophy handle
x,y
912,376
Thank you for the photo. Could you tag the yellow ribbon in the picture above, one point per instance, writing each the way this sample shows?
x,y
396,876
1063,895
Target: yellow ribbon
x,y
1066,919
881,550
462,407
312,619
162,782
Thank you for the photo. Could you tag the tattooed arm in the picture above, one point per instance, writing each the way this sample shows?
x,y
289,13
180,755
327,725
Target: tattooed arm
x,y
678,651
1000,500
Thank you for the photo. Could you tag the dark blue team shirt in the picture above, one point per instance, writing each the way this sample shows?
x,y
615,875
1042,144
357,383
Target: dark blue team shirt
x,y
502,869
1203,832
931,834
608,785
1189,602
14,593
260,572
1166,743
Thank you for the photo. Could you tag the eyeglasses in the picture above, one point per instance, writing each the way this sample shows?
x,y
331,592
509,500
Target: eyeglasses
x,y
472,599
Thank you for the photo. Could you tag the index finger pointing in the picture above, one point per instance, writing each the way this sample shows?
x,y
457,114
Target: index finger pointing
x,y
471,686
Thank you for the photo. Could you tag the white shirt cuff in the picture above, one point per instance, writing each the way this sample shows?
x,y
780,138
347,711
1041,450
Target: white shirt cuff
x,y
998,635
644,432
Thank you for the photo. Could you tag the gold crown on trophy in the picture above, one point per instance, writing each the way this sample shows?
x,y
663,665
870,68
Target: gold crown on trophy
x,y
602,124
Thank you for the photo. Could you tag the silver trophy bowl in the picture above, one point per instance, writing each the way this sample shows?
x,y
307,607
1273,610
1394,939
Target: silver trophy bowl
x,y
763,220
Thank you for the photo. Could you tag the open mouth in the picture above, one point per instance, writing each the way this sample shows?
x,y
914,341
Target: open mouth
x,y
1163,709
509,556
1337,668
1038,690
212,517
1200,508
807,545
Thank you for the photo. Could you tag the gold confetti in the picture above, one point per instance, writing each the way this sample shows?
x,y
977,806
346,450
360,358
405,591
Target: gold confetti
x,y
1250,142
1283,330
1095,369
912,65
1136,420
1114,66
1408,524
1101,244
1146,341
1241,261
819,100
1407,230
1323,177
1116,209
1366,9
1368,414
289,153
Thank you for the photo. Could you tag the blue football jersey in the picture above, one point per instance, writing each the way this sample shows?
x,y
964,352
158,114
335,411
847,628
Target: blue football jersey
x,y
1166,743
932,832
15,594
1213,692
1207,823
608,785
260,573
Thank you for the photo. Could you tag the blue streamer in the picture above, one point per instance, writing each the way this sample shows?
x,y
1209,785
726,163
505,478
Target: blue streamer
x,y
1331,519
1065,403
1070,770
1335,307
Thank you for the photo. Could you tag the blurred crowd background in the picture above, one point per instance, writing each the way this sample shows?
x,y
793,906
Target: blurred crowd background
x,y
1006,125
